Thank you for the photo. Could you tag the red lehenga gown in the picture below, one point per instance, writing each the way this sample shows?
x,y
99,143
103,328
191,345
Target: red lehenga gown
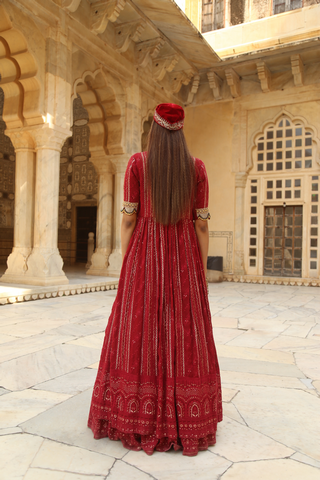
x,y
158,382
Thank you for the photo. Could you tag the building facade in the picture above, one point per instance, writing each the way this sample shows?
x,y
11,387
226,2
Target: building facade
x,y
80,81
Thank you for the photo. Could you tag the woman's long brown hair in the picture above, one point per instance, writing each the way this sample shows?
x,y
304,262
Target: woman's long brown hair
x,y
171,174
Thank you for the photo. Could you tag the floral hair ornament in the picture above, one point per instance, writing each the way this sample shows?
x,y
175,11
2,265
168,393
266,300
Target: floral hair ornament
x,y
169,116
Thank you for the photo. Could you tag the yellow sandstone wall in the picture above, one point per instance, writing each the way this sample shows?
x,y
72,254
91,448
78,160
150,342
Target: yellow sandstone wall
x,y
208,130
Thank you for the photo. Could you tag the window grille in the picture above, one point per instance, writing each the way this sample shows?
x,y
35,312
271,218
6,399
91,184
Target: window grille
x,y
280,6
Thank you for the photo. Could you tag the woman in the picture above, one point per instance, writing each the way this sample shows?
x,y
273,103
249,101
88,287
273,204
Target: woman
x,y
158,382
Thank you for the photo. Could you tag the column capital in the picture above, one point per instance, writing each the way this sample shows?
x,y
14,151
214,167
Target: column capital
x,y
241,179
49,137
21,139
119,162
102,164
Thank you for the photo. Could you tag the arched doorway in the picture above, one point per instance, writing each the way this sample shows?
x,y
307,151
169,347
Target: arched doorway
x,y
78,190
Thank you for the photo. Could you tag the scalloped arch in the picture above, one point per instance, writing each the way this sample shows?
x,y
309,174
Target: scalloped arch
x,y
19,80
294,119
104,99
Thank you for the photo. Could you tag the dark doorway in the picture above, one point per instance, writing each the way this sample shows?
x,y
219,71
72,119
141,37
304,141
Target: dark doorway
x,y
86,223
283,241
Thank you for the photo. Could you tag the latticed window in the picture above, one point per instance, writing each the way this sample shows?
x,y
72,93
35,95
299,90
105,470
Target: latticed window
x,y
212,15
284,146
280,6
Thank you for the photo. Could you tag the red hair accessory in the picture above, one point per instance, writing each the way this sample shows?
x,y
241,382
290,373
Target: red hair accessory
x,y
169,116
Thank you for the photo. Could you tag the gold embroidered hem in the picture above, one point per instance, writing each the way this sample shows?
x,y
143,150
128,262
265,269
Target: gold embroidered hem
x,y
129,208
203,214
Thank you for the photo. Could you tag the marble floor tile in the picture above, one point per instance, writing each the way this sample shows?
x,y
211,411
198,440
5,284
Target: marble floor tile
x,y
292,344
24,372
41,474
65,458
90,341
204,465
10,431
230,411
270,325
255,366
233,379
253,339
309,365
67,423
299,457
224,335
264,355
16,454
30,328
6,338
94,366
224,322
17,407
77,330
24,346
288,416
228,394
71,383
299,330
239,443
316,385
276,469
123,471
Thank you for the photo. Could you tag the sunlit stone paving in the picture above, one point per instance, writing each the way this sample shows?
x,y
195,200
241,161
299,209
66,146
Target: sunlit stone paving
x,y
268,342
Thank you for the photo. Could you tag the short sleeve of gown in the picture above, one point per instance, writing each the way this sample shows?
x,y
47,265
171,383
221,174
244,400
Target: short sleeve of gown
x,y
202,195
131,188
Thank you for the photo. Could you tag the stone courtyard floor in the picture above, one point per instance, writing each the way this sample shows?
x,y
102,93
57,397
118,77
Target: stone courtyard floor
x,y
268,342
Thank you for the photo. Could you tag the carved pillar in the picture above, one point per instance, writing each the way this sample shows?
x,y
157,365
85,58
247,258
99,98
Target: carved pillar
x,y
99,260
115,260
240,184
24,206
45,263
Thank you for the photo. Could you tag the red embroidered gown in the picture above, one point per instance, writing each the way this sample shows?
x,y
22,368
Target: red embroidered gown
x,y
158,382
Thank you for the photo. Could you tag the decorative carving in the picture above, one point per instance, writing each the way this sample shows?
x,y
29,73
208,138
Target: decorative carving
x,y
215,83
71,5
21,139
297,70
194,88
148,50
180,78
227,268
233,81
127,32
241,180
50,138
104,11
163,65
264,76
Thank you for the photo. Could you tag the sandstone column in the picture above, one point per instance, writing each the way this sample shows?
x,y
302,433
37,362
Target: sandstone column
x,y
99,260
23,208
45,263
115,260
240,184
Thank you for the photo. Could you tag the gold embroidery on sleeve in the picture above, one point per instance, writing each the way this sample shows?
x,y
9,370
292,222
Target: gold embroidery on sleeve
x,y
203,214
129,208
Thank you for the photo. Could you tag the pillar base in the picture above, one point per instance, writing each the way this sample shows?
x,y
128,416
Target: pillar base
x,y
40,281
115,264
45,268
17,262
99,263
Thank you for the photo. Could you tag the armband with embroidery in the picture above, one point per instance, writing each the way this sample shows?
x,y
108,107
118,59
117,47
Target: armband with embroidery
x,y
203,214
129,208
